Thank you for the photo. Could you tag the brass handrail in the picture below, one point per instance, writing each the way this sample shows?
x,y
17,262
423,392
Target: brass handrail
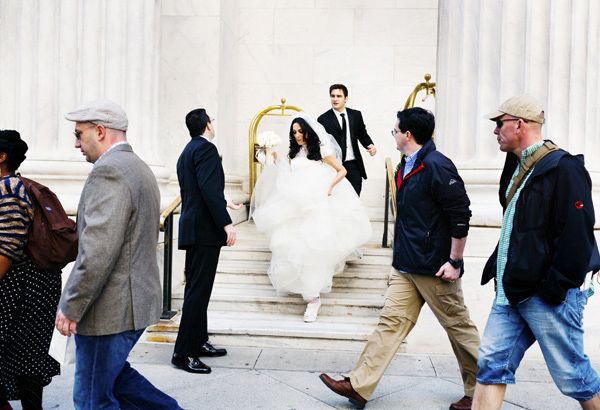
x,y
170,209
390,197
253,174
390,176
166,226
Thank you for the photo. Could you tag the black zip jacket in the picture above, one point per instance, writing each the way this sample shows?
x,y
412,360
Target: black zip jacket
x,y
432,208
552,243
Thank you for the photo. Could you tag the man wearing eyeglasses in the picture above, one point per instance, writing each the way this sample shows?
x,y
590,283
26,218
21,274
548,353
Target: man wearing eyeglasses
x,y
113,292
541,263
430,233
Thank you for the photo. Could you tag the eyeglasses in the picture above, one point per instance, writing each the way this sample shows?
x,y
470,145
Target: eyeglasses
x,y
78,133
500,123
394,132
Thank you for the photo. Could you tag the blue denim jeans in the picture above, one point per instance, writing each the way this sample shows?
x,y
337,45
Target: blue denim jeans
x,y
105,380
511,330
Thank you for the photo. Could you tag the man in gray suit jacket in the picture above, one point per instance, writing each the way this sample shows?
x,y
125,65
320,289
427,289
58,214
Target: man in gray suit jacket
x,y
113,292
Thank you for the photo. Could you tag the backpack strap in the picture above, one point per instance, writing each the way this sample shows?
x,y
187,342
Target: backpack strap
x,y
526,166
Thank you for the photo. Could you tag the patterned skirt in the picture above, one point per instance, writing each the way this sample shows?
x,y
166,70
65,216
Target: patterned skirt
x,y
28,303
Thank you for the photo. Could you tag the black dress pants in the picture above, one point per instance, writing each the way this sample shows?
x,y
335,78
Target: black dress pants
x,y
353,175
200,269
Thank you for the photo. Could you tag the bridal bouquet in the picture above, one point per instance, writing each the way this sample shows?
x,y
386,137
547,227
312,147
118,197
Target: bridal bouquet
x,y
267,141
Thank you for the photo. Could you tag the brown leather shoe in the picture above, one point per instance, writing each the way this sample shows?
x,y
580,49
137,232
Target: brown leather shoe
x,y
344,388
463,404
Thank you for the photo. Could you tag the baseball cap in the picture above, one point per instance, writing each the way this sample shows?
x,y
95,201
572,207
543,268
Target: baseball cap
x,y
522,106
102,112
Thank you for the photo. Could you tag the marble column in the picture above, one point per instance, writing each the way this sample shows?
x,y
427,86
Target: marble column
x,y
57,54
490,51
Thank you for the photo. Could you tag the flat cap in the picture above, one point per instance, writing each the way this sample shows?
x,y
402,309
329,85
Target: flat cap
x,y
101,112
520,106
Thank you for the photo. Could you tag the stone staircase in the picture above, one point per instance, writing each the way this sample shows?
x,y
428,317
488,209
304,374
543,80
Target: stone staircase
x,y
245,310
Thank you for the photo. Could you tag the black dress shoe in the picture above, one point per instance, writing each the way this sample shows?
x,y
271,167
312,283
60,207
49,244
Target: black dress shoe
x,y
208,350
190,364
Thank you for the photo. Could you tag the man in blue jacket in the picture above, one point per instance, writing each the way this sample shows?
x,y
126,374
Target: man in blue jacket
x,y
545,251
429,238
204,227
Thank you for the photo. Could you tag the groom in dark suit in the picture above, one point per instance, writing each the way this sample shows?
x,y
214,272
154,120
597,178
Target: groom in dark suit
x,y
204,227
347,127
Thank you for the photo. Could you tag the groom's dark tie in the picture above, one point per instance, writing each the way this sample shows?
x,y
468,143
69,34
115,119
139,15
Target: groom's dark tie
x,y
343,139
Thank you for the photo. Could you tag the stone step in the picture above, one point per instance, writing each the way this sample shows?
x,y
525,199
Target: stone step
x,y
248,234
253,315
246,311
261,256
263,298
367,277
356,291
480,243
352,269
366,285
259,251
276,330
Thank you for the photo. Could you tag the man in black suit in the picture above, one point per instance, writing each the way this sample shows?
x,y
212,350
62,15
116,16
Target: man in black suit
x,y
204,226
347,127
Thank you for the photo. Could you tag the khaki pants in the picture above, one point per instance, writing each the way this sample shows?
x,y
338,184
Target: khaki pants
x,y
404,299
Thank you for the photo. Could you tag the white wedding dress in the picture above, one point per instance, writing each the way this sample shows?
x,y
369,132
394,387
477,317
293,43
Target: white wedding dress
x,y
311,234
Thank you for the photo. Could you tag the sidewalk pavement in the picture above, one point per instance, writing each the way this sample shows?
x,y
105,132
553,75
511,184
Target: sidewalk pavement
x,y
285,378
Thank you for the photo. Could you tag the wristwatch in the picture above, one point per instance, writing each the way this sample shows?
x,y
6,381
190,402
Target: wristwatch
x,y
456,263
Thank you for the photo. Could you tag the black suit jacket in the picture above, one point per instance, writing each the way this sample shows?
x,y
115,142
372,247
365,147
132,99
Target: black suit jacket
x,y
201,183
358,132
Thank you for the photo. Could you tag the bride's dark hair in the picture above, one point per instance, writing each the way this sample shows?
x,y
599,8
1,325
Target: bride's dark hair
x,y
313,143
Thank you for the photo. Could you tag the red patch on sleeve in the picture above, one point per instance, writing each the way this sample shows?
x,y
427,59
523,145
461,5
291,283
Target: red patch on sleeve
x,y
579,205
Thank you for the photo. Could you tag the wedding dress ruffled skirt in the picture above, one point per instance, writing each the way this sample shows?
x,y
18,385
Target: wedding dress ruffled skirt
x,y
311,234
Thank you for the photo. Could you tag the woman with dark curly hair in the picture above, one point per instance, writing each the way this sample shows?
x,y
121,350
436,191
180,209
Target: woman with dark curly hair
x,y
309,139
311,214
28,296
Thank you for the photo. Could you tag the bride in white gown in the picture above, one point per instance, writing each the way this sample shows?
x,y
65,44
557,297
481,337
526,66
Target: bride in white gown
x,y
311,214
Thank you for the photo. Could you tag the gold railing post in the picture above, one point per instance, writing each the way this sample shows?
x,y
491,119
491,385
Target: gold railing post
x,y
427,86
253,171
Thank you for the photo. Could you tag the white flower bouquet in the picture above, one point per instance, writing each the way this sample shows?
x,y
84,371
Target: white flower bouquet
x,y
268,139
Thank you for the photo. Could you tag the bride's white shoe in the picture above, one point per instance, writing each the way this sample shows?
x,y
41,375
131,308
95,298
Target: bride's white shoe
x,y
312,310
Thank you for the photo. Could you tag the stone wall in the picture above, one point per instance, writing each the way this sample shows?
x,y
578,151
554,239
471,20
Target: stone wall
x,y
236,58
160,59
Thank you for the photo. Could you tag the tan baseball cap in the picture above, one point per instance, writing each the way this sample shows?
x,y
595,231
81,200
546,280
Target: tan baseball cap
x,y
102,112
521,106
